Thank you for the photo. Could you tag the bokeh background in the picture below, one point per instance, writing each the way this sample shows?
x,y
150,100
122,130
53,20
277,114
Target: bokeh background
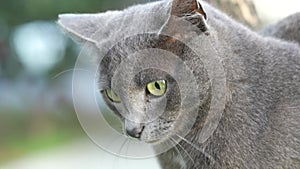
x,y
38,124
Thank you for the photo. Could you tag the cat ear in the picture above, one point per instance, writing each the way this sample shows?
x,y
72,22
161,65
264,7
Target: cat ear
x,y
82,27
191,11
183,7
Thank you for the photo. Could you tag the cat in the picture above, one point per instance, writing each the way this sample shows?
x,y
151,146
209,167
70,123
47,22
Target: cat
x,y
247,86
287,29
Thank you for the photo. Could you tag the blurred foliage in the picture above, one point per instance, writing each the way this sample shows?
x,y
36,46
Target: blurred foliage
x,y
19,11
22,143
32,126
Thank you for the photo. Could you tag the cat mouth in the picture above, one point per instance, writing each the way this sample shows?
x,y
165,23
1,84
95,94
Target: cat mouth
x,y
155,141
147,141
143,135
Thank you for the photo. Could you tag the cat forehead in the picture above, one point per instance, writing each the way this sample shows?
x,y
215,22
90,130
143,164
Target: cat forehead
x,y
110,27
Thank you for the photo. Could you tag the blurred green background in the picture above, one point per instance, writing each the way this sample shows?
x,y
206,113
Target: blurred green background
x,y
36,61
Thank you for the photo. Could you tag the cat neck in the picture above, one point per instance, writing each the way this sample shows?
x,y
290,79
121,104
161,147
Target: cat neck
x,y
243,50
254,66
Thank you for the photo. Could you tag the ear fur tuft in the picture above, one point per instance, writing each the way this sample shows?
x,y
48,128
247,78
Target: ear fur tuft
x,y
184,7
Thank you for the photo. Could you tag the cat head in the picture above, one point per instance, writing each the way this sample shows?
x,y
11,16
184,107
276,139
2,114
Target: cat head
x,y
148,73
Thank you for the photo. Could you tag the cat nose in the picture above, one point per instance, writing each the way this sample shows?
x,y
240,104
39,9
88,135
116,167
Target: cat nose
x,y
135,132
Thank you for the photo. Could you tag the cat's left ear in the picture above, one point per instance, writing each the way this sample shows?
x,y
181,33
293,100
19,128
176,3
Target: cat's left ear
x,y
82,27
191,11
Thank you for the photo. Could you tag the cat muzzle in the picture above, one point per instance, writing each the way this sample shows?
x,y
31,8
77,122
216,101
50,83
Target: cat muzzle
x,y
134,130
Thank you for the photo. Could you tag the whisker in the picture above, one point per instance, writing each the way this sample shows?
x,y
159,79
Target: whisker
x,y
197,148
126,151
114,140
116,159
122,146
176,148
188,154
66,71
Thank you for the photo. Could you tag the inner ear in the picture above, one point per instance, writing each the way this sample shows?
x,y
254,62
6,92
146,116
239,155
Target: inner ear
x,y
183,7
187,10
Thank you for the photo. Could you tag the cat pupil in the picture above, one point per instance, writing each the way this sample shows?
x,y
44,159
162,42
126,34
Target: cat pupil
x,y
157,86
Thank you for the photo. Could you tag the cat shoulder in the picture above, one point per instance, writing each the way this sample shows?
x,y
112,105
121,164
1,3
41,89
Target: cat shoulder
x,y
287,29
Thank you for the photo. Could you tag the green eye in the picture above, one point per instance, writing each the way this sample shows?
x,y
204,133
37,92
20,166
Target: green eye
x,y
157,88
112,95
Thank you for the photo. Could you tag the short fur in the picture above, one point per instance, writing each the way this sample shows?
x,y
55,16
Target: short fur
x,y
260,126
287,29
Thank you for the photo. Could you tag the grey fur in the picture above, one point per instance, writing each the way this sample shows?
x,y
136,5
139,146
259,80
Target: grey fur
x,y
287,29
260,126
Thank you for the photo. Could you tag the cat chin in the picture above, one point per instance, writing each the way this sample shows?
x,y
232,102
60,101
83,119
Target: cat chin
x,y
155,141
152,142
147,141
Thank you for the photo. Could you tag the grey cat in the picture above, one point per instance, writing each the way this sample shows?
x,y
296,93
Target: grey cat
x,y
287,29
259,126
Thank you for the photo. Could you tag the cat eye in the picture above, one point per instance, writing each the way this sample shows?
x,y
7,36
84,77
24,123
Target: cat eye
x,y
112,95
157,88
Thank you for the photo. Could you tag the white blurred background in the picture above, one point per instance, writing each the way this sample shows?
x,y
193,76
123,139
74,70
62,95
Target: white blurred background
x,y
272,10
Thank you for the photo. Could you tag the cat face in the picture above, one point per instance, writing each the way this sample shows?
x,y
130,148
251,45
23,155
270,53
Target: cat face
x,y
148,107
153,81
144,93
146,81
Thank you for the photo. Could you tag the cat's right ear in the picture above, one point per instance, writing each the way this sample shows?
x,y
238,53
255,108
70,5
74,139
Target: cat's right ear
x,y
82,27
188,10
187,7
